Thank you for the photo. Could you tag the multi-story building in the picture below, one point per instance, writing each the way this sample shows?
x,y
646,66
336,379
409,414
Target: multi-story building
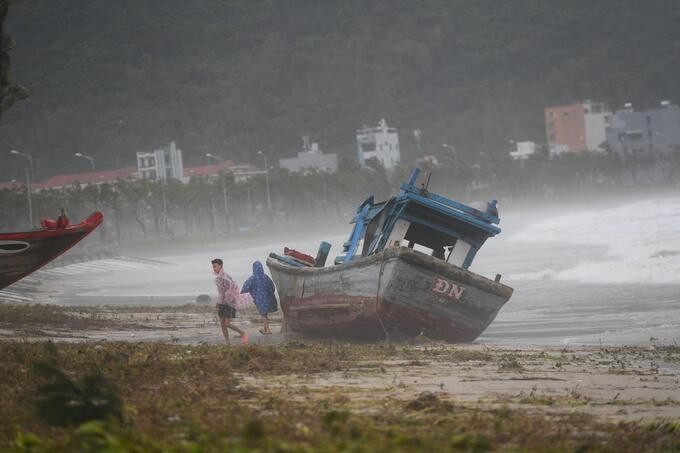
x,y
161,164
381,143
577,127
310,158
656,129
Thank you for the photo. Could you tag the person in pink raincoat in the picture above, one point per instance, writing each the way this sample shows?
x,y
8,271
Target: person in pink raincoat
x,y
227,295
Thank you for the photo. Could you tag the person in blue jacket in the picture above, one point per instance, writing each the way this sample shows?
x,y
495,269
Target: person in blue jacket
x,y
261,287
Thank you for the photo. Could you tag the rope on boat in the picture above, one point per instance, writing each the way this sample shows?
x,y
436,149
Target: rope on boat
x,y
377,298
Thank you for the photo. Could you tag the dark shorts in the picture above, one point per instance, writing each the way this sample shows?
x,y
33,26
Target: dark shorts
x,y
226,311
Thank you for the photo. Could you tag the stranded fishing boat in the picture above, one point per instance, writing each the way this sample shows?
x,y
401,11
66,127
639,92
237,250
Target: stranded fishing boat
x,y
25,252
404,268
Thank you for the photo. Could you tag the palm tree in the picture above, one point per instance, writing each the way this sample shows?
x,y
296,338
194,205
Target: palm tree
x,y
133,194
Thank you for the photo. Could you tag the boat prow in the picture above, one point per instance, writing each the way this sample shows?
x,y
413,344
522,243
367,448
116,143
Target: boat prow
x,y
22,253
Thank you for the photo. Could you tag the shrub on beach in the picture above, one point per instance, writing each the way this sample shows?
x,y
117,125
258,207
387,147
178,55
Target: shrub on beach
x,y
62,401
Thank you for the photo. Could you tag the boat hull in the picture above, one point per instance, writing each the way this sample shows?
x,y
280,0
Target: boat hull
x,y
396,290
23,253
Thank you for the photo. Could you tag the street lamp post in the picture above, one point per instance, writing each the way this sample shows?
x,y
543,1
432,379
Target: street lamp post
x,y
417,134
454,154
250,205
29,180
224,187
89,158
166,219
266,176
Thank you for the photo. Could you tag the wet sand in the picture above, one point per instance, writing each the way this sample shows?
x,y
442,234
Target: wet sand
x,y
616,384
619,383
187,324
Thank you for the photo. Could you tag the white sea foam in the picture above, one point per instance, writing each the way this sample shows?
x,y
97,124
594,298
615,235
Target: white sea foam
x,y
545,274
642,241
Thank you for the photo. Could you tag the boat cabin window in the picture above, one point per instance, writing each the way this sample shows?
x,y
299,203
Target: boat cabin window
x,y
370,233
434,234
435,242
373,228
430,242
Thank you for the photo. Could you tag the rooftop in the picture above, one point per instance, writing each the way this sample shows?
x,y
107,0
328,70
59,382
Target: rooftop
x,y
206,170
86,178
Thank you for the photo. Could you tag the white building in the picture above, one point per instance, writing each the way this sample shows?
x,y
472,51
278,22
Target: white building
x,y
161,164
597,118
310,157
241,173
556,149
523,150
381,143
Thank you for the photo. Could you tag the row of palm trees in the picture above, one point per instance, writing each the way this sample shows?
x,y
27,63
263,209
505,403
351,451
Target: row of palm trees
x,y
221,205
140,208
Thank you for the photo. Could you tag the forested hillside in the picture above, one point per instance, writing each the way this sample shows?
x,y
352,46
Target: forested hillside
x,y
109,78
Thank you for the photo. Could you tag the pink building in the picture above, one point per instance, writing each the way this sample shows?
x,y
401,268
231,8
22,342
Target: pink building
x,y
577,127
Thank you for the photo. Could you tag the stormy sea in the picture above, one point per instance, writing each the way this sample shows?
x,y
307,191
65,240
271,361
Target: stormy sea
x,y
599,273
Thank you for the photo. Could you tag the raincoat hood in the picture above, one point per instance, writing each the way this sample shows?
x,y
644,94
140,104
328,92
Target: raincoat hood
x,y
257,268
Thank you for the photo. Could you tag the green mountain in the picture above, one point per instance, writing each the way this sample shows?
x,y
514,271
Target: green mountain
x,y
109,78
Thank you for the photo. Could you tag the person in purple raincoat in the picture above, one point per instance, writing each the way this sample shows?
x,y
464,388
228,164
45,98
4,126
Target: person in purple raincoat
x,y
261,287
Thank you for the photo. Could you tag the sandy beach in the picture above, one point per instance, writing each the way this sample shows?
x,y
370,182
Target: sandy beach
x,y
309,394
621,383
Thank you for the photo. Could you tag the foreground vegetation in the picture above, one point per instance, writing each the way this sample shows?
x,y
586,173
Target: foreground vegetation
x,y
159,397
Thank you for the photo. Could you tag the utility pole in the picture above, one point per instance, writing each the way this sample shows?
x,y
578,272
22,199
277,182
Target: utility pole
x,y
417,133
454,154
30,202
165,208
212,206
266,168
224,195
250,206
29,183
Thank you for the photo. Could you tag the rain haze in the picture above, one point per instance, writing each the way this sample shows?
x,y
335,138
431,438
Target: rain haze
x,y
527,154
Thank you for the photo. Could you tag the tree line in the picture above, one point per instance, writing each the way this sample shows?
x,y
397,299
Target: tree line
x,y
109,79
221,206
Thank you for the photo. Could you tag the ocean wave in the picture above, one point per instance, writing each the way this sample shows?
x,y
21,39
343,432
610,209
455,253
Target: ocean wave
x,y
641,240
545,274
